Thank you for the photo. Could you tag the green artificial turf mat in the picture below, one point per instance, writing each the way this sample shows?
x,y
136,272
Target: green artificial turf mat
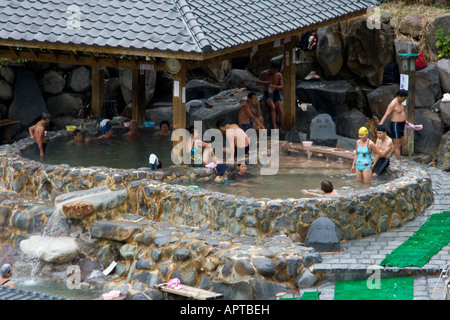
x,y
389,289
313,295
422,245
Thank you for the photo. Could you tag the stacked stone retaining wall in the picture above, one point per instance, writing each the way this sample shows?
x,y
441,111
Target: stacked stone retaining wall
x,y
156,195
245,248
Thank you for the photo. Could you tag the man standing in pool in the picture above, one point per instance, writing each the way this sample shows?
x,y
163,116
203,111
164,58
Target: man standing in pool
x,y
38,132
396,110
238,140
386,148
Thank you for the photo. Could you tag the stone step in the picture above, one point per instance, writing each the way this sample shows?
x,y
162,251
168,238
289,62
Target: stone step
x,y
350,272
79,204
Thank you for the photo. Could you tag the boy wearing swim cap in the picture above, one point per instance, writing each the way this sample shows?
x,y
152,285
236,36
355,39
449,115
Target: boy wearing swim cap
x,y
362,162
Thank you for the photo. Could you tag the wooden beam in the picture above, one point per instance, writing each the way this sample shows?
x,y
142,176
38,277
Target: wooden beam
x,y
138,95
71,58
13,52
193,64
97,99
289,97
53,54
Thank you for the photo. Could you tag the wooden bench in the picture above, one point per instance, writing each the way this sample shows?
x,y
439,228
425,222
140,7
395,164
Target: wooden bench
x,y
190,292
5,133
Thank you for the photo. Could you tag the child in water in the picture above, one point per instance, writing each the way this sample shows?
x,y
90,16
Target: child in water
x,y
221,171
242,169
327,188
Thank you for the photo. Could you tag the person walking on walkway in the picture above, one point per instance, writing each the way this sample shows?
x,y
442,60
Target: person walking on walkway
x,y
396,110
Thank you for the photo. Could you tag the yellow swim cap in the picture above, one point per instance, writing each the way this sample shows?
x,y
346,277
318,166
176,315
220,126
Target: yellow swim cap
x,y
363,130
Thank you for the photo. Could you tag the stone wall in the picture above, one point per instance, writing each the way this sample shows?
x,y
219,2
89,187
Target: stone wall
x,y
155,194
156,230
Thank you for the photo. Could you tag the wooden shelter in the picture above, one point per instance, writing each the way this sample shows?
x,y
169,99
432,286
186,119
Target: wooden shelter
x,y
162,35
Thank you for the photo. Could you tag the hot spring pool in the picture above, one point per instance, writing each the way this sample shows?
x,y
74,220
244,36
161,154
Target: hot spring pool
x,y
295,172
118,152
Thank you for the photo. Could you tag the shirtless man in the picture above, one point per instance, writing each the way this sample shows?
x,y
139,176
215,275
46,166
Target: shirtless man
x,y
396,110
236,137
248,117
386,148
37,132
272,82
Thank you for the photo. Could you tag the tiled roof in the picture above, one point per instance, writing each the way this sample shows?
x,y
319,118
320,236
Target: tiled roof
x,y
8,293
192,26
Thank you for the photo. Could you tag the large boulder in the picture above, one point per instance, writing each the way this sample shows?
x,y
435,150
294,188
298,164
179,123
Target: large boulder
x,y
65,104
367,49
428,87
427,140
52,83
6,91
7,73
412,25
50,249
443,68
28,103
348,123
380,98
80,79
332,97
237,79
200,89
329,52
223,105
442,22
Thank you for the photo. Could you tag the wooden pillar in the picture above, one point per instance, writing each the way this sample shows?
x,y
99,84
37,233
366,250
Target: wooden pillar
x,y
138,95
408,68
289,96
98,95
179,98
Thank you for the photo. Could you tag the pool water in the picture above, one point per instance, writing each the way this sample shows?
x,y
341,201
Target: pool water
x,y
120,152
295,172
54,288
289,182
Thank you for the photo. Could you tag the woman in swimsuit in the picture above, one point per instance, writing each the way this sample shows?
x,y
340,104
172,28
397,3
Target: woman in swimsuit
x,y
5,274
362,162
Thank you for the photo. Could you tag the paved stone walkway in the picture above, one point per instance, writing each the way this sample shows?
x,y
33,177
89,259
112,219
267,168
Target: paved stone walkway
x,y
357,255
